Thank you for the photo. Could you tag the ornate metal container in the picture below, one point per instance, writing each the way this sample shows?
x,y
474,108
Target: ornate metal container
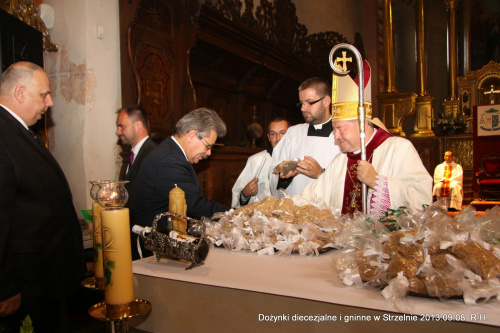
x,y
192,247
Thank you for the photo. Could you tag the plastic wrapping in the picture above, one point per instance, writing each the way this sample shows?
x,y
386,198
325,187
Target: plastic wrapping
x,y
277,225
427,254
285,167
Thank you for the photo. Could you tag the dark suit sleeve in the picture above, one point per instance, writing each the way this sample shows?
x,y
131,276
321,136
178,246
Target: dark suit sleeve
x,y
174,169
9,286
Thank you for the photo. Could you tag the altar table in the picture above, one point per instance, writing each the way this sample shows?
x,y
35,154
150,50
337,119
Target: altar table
x,y
247,292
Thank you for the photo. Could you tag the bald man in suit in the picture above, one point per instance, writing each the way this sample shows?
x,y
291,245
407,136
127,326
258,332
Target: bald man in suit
x,y
41,247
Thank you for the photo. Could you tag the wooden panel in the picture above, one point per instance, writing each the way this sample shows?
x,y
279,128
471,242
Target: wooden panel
x,y
179,55
429,151
219,172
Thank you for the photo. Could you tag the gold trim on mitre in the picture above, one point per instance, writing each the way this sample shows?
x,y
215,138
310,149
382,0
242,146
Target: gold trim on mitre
x,y
349,111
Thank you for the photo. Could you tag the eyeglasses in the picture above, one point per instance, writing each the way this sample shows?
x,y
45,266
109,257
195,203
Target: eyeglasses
x,y
273,134
207,145
306,103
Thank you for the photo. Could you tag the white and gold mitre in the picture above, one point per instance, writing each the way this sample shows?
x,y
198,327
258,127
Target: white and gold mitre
x,y
345,95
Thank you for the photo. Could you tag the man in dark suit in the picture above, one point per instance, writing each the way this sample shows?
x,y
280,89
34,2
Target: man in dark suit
x,y
132,128
41,247
170,164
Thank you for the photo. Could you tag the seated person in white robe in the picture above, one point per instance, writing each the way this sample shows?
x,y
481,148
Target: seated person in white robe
x,y
393,171
312,143
253,182
448,182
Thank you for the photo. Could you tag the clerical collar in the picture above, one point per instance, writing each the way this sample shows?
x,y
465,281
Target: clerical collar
x,y
323,130
270,150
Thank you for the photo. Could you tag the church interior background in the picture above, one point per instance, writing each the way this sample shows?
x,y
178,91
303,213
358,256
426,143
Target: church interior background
x,y
434,62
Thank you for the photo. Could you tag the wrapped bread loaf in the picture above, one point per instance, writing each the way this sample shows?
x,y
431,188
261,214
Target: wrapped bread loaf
x,y
277,223
285,167
478,259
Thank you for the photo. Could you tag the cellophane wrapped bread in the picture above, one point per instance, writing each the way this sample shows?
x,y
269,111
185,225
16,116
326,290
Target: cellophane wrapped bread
x,y
437,255
277,225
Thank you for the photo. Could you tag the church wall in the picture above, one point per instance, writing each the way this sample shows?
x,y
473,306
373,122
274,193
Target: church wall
x,y
344,16
347,17
85,80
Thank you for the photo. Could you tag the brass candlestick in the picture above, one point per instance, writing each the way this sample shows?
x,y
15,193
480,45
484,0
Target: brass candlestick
x,y
136,308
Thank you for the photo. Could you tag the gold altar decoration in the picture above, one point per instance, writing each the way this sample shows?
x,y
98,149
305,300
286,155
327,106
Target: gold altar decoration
x,y
424,113
389,61
26,11
424,102
462,150
451,7
394,108
475,89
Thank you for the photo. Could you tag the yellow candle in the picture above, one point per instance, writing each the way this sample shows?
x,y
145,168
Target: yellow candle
x,y
98,264
117,256
177,204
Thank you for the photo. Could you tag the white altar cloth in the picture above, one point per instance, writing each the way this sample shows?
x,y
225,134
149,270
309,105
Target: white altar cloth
x,y
312,278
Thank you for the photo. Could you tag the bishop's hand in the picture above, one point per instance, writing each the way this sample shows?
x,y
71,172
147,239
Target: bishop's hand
x,y
367,174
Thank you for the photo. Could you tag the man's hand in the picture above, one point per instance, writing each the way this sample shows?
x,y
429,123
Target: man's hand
x,y
290,174
251,188
367,174
309,167
10,306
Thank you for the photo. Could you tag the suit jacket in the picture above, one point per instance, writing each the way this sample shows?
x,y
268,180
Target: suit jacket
x,y
133,171
164,167
41,246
